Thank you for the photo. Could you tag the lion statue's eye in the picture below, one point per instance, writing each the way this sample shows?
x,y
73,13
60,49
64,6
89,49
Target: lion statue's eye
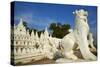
x,y
85,15
85,20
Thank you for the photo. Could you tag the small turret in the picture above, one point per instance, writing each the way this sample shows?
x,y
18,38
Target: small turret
x,y
36,36
21,22
27,32
32,33
20,28
46,32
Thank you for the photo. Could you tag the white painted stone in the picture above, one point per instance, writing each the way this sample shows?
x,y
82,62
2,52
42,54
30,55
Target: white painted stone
x,y
47,45
79,36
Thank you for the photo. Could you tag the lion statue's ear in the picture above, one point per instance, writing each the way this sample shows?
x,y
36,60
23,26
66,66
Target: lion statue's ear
x,y
86,13
75,12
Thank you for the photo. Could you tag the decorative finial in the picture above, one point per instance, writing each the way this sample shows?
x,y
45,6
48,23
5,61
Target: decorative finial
x,y
21,20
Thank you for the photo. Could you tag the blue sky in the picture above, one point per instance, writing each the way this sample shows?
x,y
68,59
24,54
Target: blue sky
x,y
39,16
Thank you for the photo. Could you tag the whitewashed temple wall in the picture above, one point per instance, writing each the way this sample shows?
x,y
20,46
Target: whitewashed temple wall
x,y
31,44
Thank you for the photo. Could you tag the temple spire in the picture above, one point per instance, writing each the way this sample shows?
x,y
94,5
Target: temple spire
x,y
21,21
32,33
46,32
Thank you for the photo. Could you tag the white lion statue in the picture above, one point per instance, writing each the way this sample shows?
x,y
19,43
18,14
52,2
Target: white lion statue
x,y
79,36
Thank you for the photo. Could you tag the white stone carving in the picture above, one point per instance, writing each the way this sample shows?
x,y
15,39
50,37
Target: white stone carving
x,y
26,44
30,46
79,36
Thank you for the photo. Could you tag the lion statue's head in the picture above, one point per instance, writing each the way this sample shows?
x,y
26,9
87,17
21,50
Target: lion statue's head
x,y
80,15
81,21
